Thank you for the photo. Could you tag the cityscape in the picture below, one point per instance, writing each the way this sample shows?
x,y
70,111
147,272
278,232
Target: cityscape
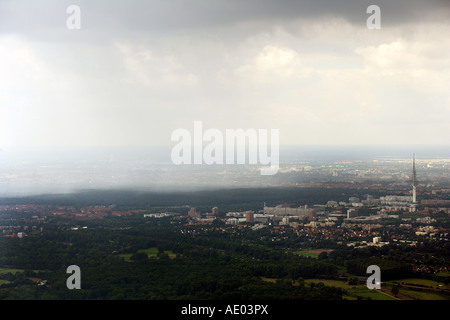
x,y
374,208
225,158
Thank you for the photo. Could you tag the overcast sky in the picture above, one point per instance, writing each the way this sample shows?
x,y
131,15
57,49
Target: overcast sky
x,y
137,70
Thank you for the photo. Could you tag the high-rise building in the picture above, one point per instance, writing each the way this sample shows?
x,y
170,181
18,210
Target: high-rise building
x,y
352,213
215,211
249,216
414,181
193,213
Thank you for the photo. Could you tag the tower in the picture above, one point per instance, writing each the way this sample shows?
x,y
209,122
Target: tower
x,y
414,181
249,216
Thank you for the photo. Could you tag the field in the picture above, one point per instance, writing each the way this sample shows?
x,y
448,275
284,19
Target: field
x,y
311,253
364,292
423,295
424,282
331,283
272,280
353,291
443,274
9,270
421,289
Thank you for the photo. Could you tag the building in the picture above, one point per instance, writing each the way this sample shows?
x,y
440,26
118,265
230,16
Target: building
x,y
396,200
262,218
233,221
234,214
249,216
193,213
312,214
215,211
352,213
371,201
332,203
364,219
281,210
285,221
414,181
354,200
435,202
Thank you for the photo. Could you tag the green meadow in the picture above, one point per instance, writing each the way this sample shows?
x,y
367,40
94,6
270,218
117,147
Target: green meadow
x,y
423,295
10,270
424,282
353,291
307,253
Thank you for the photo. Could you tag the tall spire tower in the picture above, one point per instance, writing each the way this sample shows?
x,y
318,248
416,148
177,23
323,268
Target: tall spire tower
x,y
414,180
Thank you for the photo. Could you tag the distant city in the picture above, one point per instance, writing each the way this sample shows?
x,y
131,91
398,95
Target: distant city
x,y
64,171
326,219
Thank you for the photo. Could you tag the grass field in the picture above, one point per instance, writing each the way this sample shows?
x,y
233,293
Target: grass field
x,y
353,291
311,253
7,270
443,274
151,252
424,282
423,295
307,254
331,283
272,280
364,292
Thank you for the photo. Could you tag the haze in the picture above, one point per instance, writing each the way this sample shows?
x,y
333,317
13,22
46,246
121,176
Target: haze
x,y
138,70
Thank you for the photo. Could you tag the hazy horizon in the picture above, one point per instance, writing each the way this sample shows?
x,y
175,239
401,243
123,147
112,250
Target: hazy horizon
x,y
149,168
161,154
97,104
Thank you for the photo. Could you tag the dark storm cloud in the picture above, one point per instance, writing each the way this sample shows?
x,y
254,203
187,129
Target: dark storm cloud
x,y
46,18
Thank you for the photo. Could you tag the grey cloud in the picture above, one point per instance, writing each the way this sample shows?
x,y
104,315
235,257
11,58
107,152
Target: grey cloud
x,y
108,19
139,69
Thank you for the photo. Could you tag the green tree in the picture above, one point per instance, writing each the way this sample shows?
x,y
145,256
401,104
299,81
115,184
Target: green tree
x,y
140,256
353,281
323,255
395,290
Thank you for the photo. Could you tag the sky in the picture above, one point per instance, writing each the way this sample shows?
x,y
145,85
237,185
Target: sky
x,y
136,71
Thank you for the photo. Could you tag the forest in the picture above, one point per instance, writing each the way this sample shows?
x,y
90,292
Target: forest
x,y
227,199
136,258
196,268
